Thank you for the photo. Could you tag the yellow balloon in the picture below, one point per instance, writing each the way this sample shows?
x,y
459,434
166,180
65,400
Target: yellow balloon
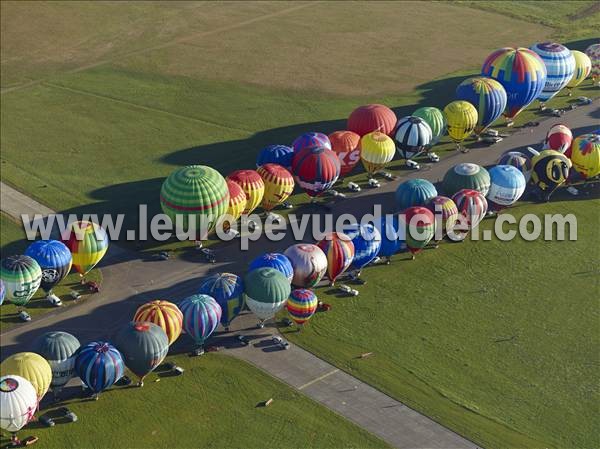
x,y
30,366
279,185
461,117
376,151
252,185
585,155
583,67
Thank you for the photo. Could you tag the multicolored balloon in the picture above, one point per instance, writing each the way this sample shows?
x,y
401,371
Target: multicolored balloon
x,y
30,366
164,314
277,261
472,208
2,291
228,290
276,154
583,68
371,117
391,241
487,95
201,316
412,136
267,291
436,121
55,260
593,52
560,66
507,185
22,277
414,192
311,140
461,119
445,212
367,243
309,263
376,151
559,138
253,186
60,351
339,250
316,169
550,169
88,243
418,224
521,72
466,176
346,144
197,194
237,200
518,160
99,365
585,155
302,305
279,185
18,403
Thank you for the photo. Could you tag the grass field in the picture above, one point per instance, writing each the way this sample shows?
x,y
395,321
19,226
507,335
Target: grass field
x,y
215,404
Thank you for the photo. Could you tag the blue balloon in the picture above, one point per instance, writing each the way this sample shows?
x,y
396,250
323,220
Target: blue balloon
x,y
276,154
507,184
99,365
391,243
367,243
414,192
228,290
277,261
487,95
54,258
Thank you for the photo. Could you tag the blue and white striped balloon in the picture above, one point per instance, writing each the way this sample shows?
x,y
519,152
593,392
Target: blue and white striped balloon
x,y
99,365
228,290
507,184
54,258
367,243
201,316
560,67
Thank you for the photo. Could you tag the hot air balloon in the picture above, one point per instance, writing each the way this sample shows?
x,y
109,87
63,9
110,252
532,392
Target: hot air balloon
x,y
277,261
559,138
228,290
550,169
279,185
507,185
376,151
418,224
391,243
60,351
436,121
201,316
346,144
466,176
267,291
583,67
412,136
560,66
461,119
339,250
198,195
518,160
367,243
593,52
472,207
18,403
2,291
315,169
309,263
487,95
302,305
445,213
414,192
99,365
252,185
88,243
55,260
32,367
585,155
143,345
311,140
164,314
371,117
237,201
521,72
276,154
21,276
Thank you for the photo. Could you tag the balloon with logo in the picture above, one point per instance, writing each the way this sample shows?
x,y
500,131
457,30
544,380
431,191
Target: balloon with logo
x,y
371,117
461,120
412,136
560,66
21,276
32,367
164,314
419,228
367,243
414,192
466,176
518,160
436,121
55,260
276,154
311,140
278,261
346,144
279,185
201,316
266,291
550,169
559,138
507,185
60,351
18,403
521,72
593,52
253,186
309,263
302,305
391,241
316,169
228,290
472,208
99,365
585,155
583,67
339,250
487,95
88,243
445,212
376,151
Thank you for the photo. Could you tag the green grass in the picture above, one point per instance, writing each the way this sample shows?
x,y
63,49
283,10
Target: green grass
x,y
215,404
504,353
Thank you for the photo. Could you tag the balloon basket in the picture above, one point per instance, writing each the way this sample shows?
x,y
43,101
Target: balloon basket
x,y
260,325
198,351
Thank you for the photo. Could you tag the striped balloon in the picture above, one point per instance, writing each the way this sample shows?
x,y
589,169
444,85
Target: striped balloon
x,y
376,151
461,118
367,243
32,367
21,276
371,117
559,138
302,305
487,95
593,52
276,154
346,144
339,250
560,66
585,155
436,121
391,242
445,212
522,73
198,195
99,365
88,243
164,314
414,192
507,185
228,290
18,403
279,185
309,262
412,136
237,200
418,224
54,258
316,169
583,68
278,261
466,176
518,160
2,291
472,207
60,351
311,140
252,185
201,316
267,291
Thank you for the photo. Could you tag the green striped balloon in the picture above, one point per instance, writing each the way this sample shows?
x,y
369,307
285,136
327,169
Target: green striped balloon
x,y
21,276
435,119
198,194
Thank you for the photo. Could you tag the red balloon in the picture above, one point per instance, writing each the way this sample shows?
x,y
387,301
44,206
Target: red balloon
x,y
346,144
315,169
372,117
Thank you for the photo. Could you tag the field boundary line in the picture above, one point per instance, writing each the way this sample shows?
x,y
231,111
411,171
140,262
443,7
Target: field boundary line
x,y
318,379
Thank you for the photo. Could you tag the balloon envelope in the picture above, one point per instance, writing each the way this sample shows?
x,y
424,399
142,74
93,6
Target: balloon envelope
x,y
201,316
435,119
412,136
466,176
583,67
228,290
367,243
472,207
267,291
99,365
32,367
346,144
593,52
559,138
88,243
376,151
237,200
371,117
461,119
164,314
60,351
518,160
18,402
391,243
418,224
253,186
279,185
339,250
274,260
143,345
414,192
445,212
311,140
21,276
507,185
550,169
54,258
302,305
276,154
560,66
309,263
316,169
487,95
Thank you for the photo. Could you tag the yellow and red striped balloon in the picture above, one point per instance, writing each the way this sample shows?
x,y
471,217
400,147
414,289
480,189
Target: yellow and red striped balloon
x,y
279,185
164,314
339,249
252,185
88,242
237,199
